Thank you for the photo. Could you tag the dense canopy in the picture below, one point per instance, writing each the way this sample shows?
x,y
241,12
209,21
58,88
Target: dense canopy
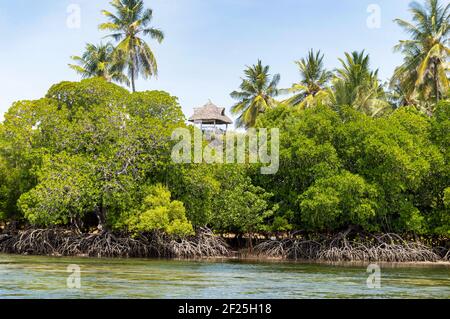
x,y
92,155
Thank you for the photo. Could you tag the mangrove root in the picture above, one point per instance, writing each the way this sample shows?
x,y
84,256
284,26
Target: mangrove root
x,y
386,247
58,242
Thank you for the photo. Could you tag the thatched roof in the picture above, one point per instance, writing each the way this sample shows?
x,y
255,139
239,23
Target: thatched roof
x,y
210,114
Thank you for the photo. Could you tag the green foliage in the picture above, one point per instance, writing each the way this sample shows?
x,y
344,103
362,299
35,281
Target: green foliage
x,y
256,95
339,201
441,127
94,135
129,24
65,191
441,219
240,206
159,213
422,79
196,186
313,82
357,86
394,153
3,189
306,153
22,147
87,93
99,61
280,224
410,219
447,197
85,153
398,164
156,105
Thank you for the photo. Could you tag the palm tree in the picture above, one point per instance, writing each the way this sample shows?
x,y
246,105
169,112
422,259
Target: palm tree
x,y
313,82
98,61
357,86
397,96
128,24
424,74
258,90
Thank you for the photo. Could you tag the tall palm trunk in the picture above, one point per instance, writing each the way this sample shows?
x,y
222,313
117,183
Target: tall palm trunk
x,y
132,78
436,81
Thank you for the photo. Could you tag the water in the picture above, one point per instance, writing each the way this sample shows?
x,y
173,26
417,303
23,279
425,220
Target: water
x,y
46,277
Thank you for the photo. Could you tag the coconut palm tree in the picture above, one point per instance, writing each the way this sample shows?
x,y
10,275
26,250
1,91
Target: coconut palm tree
x,y
256,95
130,23
397,96
424,74
313,82
356,85
98,61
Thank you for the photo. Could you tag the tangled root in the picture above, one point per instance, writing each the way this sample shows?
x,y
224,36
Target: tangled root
x,y
57,242
447,256
289,249
386,247
36,241
444,252
205,244
103,245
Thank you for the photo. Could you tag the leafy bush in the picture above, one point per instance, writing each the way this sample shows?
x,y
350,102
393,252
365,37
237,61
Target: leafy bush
x,y
398,161
240,206
159,213
339,201
64,193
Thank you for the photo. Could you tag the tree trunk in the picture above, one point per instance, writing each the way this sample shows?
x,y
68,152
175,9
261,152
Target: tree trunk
x,y
250,243
100,212
436,81
132,79
78,223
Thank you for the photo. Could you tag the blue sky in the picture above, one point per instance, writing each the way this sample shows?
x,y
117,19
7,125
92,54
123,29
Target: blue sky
x,y
208,42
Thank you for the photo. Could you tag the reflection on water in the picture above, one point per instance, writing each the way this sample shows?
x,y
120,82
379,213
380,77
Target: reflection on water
x,y
46,277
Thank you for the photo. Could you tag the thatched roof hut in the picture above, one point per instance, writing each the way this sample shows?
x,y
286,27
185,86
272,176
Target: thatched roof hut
x,y
210,114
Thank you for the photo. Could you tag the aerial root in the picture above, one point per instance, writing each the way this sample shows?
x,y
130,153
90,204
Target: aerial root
x,y
59,242
368,247
204,244
386,247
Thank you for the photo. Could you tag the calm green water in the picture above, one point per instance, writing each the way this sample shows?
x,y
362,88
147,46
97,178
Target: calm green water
x,y
44,277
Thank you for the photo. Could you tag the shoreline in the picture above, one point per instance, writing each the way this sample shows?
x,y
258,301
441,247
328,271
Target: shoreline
x,y
205,245
251,260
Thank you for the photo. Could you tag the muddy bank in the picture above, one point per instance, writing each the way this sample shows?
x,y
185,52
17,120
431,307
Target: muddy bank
x,y
337,248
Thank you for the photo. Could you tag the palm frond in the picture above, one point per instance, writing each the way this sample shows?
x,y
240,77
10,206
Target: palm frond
x,y
257,91
421,76
129,22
